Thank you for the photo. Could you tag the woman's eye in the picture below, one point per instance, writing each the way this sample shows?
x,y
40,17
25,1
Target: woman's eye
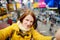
x,y
31,21
27,20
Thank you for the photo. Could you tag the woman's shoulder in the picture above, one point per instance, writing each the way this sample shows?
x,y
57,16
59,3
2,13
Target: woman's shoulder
x,y
15,26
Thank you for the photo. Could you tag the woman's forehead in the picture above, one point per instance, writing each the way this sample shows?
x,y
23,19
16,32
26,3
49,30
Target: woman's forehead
x,y
29,17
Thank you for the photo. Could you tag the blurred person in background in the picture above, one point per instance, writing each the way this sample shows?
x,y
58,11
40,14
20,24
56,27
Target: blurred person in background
x,y
23,29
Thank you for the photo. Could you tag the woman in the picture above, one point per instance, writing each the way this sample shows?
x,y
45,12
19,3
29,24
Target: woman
x,y
23,29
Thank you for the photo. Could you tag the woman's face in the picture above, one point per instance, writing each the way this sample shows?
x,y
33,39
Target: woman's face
x,y
28,21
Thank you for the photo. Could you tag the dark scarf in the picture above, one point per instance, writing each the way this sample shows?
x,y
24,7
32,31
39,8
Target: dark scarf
x,y
20,33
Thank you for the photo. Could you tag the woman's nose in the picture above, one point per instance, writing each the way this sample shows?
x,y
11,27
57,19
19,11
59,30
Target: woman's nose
x,y
28,23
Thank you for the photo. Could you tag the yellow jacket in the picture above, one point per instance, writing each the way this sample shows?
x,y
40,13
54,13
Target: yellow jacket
x,y
4,33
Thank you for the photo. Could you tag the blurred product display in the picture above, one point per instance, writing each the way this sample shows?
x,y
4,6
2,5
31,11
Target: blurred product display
x,y
45,11
3,25
10,7
2,11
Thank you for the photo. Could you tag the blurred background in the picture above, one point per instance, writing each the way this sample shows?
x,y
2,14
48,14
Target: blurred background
x,y
47,13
